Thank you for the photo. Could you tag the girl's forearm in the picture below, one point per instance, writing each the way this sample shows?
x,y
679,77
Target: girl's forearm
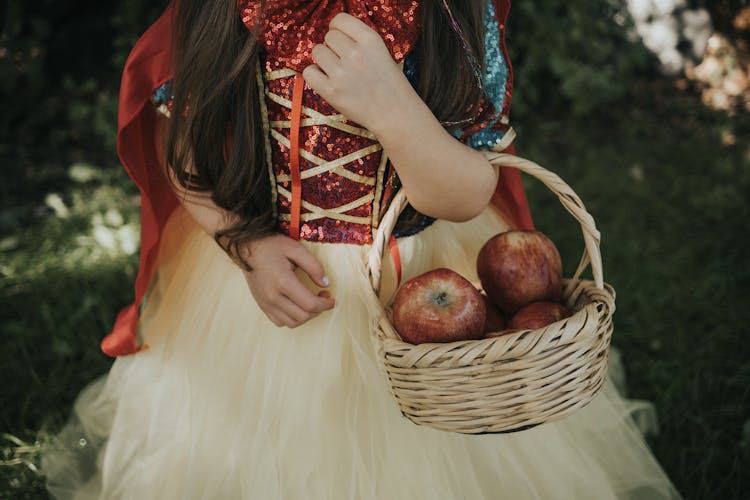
x,y
206,213
441,176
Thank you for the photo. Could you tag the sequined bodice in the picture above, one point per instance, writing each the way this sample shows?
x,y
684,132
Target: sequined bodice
x,y
346,179
342,166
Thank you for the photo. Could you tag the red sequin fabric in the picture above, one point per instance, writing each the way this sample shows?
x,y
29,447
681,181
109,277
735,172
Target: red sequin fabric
x,y
289,29
341,163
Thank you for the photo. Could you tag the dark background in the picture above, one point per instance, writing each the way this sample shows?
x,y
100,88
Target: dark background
x,y
662,167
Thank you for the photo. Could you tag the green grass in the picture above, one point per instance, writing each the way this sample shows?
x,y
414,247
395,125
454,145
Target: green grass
x,y
64,276
670,200
673,205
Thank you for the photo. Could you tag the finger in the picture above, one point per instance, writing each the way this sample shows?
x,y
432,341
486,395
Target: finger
x,y
275,319
326,59
351,26
294,311
316,79
304,259
305,299
339,42
286,320
276,314
326,294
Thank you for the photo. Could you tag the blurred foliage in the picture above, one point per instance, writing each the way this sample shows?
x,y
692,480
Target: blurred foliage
x,y
575,56
723,13
59,71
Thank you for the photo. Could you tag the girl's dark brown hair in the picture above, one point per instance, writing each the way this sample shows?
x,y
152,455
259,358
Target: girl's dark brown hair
x,y
215,83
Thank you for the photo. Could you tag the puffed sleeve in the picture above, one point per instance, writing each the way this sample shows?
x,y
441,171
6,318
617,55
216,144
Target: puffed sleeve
x,y
491,128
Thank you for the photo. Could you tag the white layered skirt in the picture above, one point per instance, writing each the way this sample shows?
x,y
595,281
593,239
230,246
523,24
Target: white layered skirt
x,y
225,405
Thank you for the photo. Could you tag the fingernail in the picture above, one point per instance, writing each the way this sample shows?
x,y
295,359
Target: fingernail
x,y
325,281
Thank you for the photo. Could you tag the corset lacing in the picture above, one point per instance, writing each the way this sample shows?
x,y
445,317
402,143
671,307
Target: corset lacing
x,y
289,186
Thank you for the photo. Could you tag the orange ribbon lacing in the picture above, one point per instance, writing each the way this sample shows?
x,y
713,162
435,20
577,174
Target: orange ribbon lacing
x,y
299,87
321,165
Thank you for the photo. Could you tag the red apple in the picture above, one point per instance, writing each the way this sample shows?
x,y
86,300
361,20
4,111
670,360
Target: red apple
x,y
538,315
438,306
494,321
520,267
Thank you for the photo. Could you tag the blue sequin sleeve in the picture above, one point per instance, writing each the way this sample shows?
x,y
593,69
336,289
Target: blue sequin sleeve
x,y
488,130
496,81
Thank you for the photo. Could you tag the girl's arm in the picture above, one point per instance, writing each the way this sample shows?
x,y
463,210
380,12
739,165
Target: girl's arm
x,y
354,71
272,282
442,177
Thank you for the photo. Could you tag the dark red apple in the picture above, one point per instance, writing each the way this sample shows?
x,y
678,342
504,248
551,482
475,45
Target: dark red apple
x,y
520,267
438,306
538,315
494,321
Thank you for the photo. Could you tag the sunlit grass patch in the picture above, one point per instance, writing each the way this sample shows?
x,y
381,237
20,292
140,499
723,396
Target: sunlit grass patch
x,y
64,277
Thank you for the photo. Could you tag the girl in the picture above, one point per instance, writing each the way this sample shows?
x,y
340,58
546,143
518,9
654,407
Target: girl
x,y
267,139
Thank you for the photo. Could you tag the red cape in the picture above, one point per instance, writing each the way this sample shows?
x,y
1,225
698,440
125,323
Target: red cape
x,y
148,67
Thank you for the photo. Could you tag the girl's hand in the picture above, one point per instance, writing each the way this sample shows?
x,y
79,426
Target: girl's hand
x,y
275,287
356,73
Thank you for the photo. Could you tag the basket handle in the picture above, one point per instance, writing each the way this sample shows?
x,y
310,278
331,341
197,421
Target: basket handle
x,y
568,198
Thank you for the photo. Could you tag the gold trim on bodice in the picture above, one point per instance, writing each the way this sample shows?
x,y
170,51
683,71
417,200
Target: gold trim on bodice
x,y
272,130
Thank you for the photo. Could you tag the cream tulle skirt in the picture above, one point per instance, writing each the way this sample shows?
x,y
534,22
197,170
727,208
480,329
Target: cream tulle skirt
x,y
225,405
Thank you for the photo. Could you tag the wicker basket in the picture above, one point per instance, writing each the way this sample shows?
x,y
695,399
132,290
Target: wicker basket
x,y
508,383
